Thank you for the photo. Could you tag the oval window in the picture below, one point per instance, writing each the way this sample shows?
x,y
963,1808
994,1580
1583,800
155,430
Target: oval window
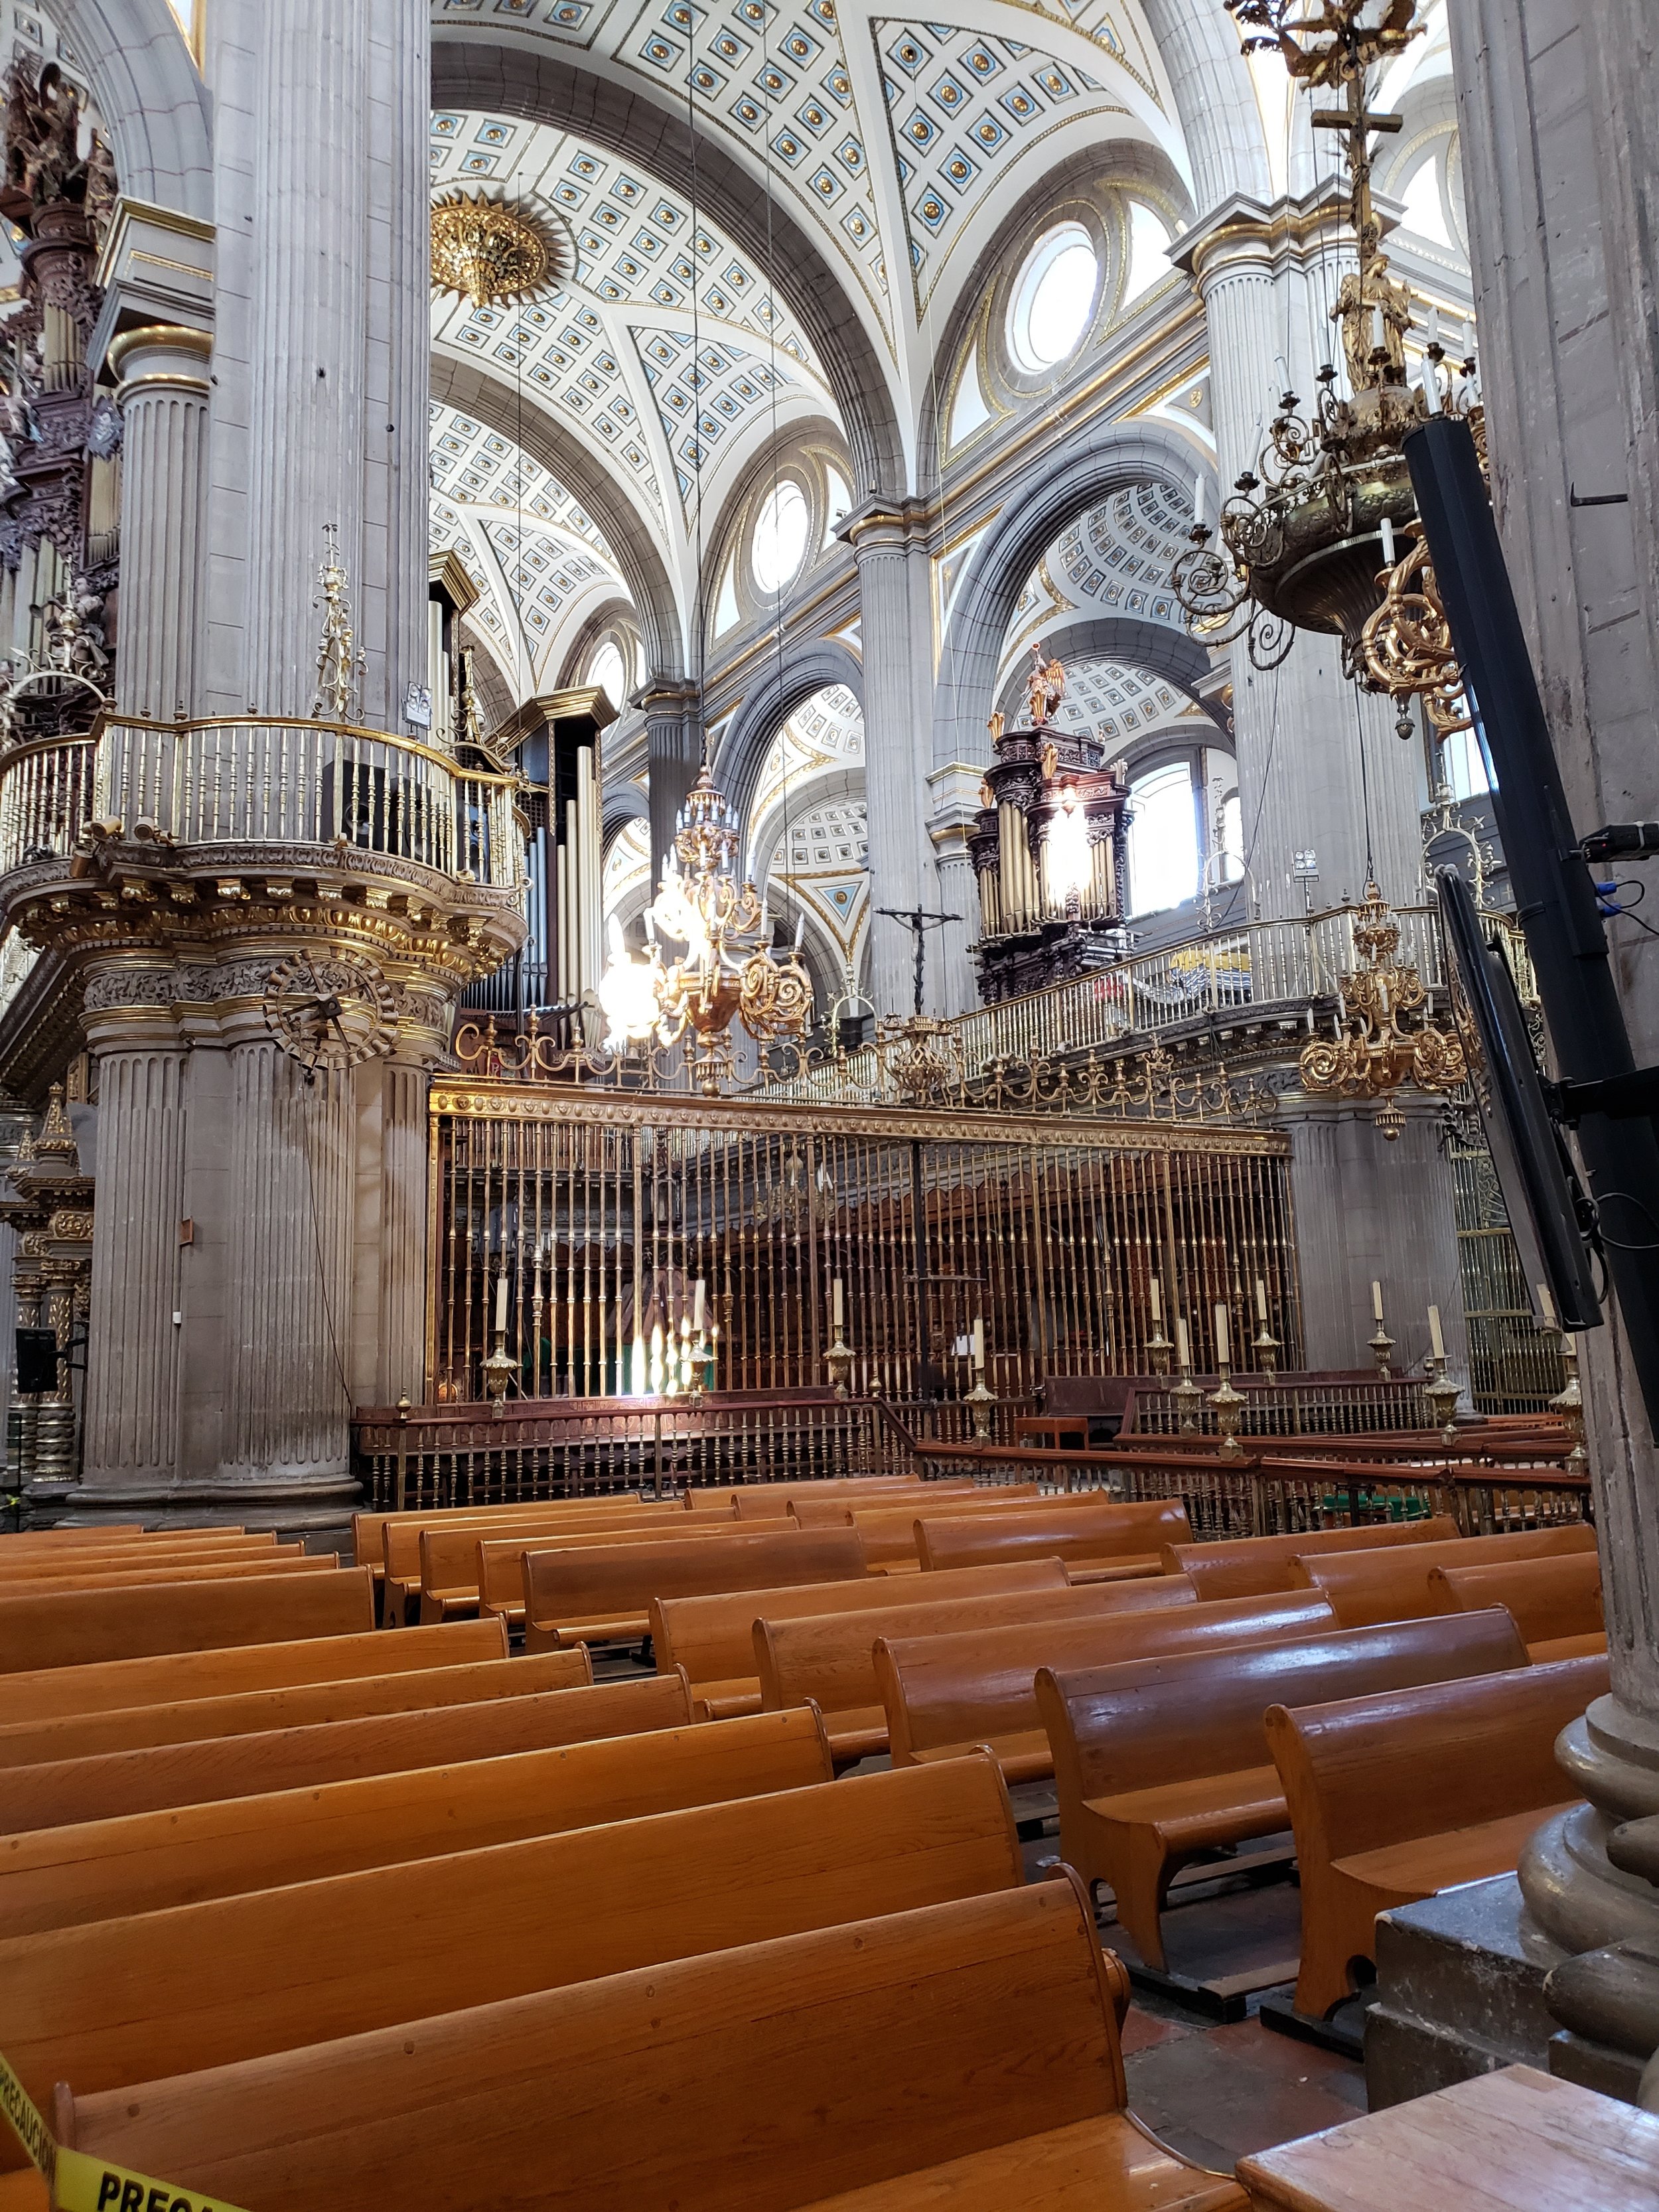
x,y
1053,299
779,544
607,671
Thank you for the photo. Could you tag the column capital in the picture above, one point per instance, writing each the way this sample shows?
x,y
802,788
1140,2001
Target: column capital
x,y
170,355
1244,232
886,525
662,698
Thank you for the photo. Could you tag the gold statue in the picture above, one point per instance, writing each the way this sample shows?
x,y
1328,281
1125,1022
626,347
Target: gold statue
x,y
1363,300
988,798
1050,758
996,726
1045,686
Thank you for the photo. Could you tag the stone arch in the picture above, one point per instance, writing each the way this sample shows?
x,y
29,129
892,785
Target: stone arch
x,y
1171,653
622,807
150,96
763,833
1054,491
462,383
750,733
1226,148
470,71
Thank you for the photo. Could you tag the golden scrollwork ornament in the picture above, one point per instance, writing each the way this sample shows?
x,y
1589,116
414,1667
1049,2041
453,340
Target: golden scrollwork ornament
x,y
329,1012
1385,1036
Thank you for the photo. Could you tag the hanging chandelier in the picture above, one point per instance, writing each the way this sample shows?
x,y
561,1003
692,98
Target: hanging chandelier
x,y
1385,1036
728,971
1308,537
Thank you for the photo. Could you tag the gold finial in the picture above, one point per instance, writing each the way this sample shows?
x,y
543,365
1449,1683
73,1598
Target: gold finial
x,y
338,662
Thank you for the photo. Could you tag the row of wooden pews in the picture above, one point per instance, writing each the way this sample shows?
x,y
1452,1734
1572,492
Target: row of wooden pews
x,y
426,1913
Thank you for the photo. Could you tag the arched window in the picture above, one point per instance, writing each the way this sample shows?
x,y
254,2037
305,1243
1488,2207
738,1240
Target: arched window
x,y
1163,839
779,544
1054,297
606,669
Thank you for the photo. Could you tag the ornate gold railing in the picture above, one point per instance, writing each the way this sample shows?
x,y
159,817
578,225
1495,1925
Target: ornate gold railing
x,y
259,780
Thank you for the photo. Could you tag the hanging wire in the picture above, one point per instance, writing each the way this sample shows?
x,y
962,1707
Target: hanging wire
x,y
772,366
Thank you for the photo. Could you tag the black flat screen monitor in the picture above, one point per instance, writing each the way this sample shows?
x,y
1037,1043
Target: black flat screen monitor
x,y
1534,1172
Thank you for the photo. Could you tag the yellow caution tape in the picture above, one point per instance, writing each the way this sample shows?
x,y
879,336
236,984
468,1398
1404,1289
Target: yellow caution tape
x,y
79,2183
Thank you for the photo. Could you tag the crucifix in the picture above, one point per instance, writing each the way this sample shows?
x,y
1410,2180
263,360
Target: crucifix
x,y
919,920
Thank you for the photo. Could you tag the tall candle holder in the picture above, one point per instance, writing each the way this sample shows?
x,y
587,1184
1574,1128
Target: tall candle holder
x,y
1569,1402
1266,1348
979,1402
1381,1345
1442,1395
839,1361
1228,1407
1158,1347
1186,1393
497,1375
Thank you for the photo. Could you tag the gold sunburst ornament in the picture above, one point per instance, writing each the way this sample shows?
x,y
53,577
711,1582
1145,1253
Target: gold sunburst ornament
x,y
488,251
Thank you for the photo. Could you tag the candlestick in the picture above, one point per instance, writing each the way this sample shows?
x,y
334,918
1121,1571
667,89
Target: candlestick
x,y
1221,1336
1436,1342
1182,1355
979,1343
1261,1301
500,1300
835,1311
1376,1303
1157,1299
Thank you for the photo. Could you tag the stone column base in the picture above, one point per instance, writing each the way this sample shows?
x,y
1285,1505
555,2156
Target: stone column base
x,y
292,1506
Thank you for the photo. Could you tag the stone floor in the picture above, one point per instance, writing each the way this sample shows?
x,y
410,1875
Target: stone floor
x,y
1216,2093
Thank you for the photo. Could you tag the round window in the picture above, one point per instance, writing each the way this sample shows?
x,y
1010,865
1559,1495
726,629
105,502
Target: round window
x,y
779,544
606,670
1054,297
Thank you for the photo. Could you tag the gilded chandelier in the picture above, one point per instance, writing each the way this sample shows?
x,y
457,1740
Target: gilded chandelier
x,y
488,252
1308,537
728,971
1384,1037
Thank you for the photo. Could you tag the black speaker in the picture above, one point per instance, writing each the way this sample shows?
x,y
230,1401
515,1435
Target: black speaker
x,y
37,1360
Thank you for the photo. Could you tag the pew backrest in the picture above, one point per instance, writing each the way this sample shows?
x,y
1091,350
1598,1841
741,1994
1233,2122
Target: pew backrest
x,y
1255,1566
1365,1587
831,1659
106,1576
154,1861
846,1508
1549,1598
887,1533
607,1591
25,1565
77,1628
1365,1772
1146,1722
712,1638
367,1530
944,1691
673,2060
261,1712
447,1559
762,1501
1101,1531
400,1543
56,1692
158,1777
271,1970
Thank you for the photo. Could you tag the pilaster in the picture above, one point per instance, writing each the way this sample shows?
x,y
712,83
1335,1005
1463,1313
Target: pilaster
x,y
163,395
673,747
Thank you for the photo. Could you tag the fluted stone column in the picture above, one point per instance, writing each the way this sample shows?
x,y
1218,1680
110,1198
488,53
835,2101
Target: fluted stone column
x,y
673,748
132,1367
163,395
322,352
1300,728
896,637
399,1171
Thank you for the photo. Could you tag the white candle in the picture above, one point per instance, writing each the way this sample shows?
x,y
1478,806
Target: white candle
x,y
1221,1335
1431,386
1377,1303
979,1343
1158,1300
500,1302
1547,1304
696,1306
1200,503
836,1308
1388,543
1181,1352
1436,1343
1261,1302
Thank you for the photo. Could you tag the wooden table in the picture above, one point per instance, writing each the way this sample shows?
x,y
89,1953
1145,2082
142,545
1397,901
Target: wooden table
x,y
1517,2141
1053,1431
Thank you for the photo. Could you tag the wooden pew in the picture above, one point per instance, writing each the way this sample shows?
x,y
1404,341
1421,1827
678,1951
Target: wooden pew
x,y
258,1712
1159,1760
58,1691
766,1501
964,2053
112,1532
78,1628
602,1595
28,1565
499,1563
839,1508
268,1969
1553,1600
106,1785
1254,1567
280,1565
450,1568
829,1659
888,1532
1396,1796
634,1767
367,1530
944,1694
1365,1587
1123,1538
712,1638
400,1544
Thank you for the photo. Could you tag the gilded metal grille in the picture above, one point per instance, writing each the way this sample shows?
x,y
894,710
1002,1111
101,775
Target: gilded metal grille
x,y
1513,1368
604,1212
